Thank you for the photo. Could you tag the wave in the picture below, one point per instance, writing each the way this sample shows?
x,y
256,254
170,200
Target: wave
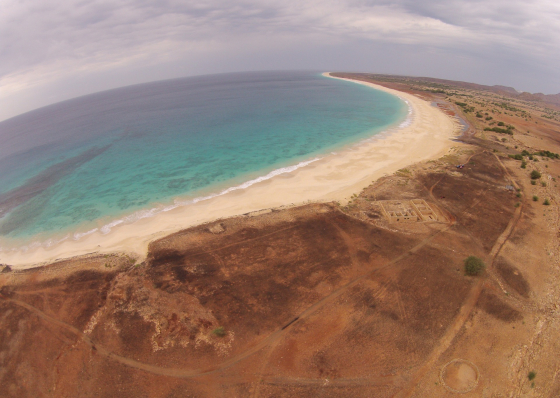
x,y
408,121
151,212
147,213
80,235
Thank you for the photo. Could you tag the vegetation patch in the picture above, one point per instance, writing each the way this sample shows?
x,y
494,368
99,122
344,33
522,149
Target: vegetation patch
x,y
219,331
499,130
547,154
474,266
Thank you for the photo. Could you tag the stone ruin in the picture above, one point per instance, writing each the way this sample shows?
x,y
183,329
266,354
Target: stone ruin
x,y
407,211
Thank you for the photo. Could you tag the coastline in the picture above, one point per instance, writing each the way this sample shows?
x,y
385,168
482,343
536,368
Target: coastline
x,y
332,178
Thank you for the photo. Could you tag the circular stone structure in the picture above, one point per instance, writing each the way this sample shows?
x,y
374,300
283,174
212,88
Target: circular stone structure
x,y
459,376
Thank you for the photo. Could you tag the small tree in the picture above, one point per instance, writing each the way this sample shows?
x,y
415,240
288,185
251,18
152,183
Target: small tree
x,y
473,266
535,175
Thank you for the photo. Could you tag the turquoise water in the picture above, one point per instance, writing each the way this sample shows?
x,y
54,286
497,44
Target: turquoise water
x,y
86,163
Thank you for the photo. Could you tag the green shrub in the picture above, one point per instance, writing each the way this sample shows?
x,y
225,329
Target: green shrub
x,y
473,266
546,202
501,124
535,175
219,331
523,164
533,182
543,183
548,154
516,157
517,204
499,130
535,198
532,374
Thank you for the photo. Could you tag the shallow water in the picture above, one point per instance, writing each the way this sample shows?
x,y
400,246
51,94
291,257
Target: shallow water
x,y
119,155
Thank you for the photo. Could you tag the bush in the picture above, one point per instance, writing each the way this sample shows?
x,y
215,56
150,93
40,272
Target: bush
x,y
533,182
548,154
499,130
501,124
535,175
219,331
516,157
543,183
535,198
524,165
473,266
546,202
532,374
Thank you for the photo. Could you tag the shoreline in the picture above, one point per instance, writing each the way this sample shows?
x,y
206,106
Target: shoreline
x,y
425,134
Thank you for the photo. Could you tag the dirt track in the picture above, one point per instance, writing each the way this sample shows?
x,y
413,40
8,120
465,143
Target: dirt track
x,y
318,300
369,273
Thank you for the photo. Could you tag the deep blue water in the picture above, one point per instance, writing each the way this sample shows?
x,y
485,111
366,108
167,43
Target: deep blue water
x,y
83,163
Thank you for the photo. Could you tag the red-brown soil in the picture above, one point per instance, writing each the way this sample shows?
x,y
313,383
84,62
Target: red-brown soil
x,y
317,300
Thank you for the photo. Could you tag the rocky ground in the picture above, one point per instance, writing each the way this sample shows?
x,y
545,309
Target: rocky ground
x,y
323,299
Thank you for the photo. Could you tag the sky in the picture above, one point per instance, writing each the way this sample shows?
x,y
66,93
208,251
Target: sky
x,y
52,50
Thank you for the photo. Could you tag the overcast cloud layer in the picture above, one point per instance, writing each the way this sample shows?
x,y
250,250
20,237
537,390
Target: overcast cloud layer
x,y
51,50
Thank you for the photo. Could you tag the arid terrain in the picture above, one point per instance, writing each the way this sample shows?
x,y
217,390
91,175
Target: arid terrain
x,y
326,299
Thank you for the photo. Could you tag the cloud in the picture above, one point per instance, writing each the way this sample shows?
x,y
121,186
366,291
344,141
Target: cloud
x,y
53,50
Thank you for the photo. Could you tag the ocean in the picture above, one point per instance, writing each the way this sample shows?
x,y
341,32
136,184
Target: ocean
x,y
98,161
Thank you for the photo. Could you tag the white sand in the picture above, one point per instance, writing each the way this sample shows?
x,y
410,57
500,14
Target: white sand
x,y
334,177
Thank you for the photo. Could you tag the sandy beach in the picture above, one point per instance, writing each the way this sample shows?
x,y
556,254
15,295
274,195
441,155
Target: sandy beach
x,y
336,176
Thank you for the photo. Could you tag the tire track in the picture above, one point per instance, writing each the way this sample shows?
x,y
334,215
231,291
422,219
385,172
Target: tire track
x,y
466,308
273,337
